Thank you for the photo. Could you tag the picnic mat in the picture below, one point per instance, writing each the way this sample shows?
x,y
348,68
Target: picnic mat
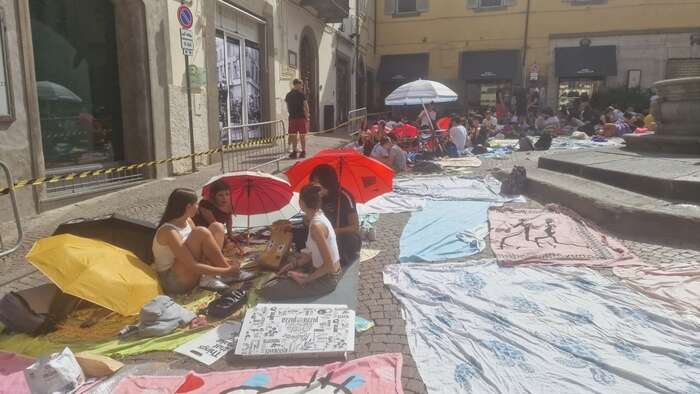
x,y
553,235
102,337
445,230
12,368
467,161
481,328
453,188
375,374
675,284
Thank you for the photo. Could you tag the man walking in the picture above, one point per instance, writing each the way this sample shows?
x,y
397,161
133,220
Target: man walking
x,y
298,108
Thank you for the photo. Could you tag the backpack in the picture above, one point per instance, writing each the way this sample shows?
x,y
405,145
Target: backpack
x,y
36,311
516,182
544,142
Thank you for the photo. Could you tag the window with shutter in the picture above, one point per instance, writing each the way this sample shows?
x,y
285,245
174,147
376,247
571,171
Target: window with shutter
x,y
406,6
389,7
491,3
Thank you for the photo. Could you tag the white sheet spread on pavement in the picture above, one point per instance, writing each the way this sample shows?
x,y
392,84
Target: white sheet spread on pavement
x,y
453,188
480,328
391,203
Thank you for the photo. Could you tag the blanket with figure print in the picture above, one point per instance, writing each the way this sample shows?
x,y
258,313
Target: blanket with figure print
x,y
480,328
370,375
553,235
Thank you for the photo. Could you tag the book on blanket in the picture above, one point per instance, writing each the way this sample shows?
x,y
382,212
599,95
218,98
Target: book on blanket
x,y
297,330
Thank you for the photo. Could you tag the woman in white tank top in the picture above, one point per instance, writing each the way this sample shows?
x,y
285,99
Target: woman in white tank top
x,y
183,253
317,271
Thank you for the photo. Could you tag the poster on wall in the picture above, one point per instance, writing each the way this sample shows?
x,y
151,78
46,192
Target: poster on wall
x,y
634,79
297,330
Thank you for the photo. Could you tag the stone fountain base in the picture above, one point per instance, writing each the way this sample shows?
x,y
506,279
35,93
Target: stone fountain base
x,y
677,112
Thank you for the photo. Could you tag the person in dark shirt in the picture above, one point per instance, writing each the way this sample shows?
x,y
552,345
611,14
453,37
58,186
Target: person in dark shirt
x,y
298,108
216,208
346,223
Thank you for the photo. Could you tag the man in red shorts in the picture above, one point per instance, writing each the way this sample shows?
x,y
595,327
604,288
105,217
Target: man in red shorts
x,y
298,108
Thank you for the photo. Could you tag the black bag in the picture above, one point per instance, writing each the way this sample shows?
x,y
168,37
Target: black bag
x,y
516,182
544,142
36,311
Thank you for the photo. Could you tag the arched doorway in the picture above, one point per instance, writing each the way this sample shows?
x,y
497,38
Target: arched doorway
x,y
308,66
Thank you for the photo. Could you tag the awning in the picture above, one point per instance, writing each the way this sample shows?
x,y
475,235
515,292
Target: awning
x,y
490,65
403,68
578,62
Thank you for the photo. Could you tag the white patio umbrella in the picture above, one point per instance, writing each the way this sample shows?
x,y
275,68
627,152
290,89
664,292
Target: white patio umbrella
x,y
421,92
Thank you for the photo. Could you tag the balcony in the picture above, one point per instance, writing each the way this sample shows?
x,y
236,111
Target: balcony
x,y
330,11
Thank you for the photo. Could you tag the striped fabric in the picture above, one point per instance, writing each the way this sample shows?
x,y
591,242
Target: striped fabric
x,y
421,92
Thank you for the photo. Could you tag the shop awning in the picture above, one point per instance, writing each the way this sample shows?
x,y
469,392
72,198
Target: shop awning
x,y
403,68
490,65
581,62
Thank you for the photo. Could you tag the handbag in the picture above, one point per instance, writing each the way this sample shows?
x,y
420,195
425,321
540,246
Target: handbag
x,y
278,246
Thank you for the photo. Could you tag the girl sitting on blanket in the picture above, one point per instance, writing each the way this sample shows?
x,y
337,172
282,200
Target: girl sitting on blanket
x,y
317,271
186,255
339,206
217,208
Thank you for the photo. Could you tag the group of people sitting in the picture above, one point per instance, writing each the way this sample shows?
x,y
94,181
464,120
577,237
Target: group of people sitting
x,y
191,236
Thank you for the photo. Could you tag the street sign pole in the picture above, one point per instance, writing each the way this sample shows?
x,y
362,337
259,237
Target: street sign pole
x,y
186,19
189,110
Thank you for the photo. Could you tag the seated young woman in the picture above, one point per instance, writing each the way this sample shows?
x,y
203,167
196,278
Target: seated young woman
x,y
187,255
316,272
339,207
217,208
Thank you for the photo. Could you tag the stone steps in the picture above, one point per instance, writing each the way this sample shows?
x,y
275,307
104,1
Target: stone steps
x,y
669,177
623,212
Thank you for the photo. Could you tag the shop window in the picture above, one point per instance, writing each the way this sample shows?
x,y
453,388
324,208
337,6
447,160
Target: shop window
x,y
77,80
6,107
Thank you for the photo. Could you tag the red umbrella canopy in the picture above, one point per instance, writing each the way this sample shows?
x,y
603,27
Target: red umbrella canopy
x,y
254,193
444,123
406,131
364,178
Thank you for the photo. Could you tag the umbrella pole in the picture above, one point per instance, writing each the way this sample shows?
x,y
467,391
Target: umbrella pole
x,y
248,187
430,120
340,175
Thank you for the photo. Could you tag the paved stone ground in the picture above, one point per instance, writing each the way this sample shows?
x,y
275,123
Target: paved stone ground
x,y
375,302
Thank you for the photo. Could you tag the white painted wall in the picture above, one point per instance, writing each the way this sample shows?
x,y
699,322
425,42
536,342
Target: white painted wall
x,y
177,92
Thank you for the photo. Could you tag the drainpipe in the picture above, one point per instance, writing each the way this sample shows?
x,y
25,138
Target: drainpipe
x,y
523,65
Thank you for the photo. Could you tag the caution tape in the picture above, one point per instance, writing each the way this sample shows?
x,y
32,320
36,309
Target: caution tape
x,y
106,171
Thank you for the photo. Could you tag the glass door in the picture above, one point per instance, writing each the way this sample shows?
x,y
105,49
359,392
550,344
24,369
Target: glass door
x,y
240,101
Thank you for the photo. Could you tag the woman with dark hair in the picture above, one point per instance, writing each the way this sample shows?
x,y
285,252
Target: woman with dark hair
x,y
339,207
186,255
217,208
316,270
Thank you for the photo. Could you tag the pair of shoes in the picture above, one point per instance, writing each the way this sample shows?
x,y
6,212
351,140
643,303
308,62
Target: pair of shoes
x,y
212,283
242,276
293,155
226,305
302,154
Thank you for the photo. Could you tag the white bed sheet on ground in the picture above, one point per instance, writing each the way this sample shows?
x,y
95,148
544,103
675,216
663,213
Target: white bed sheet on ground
x,y
453,188
481,328
392,203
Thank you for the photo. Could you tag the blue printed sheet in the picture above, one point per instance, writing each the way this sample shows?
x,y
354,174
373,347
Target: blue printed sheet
x,y
445,230
481,328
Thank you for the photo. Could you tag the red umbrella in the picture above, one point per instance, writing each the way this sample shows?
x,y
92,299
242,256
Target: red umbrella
x,y
363,177
406,131
444,123
258,197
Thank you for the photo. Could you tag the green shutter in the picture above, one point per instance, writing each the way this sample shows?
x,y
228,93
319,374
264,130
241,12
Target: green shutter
x,y
472,3
422,5
389,7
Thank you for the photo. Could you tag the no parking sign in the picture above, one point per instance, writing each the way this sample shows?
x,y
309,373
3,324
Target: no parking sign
x,y
185,17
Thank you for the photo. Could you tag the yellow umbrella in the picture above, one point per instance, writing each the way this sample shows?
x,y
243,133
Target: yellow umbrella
x,y
96,271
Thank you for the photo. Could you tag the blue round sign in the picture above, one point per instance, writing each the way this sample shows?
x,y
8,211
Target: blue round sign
x,y
185,17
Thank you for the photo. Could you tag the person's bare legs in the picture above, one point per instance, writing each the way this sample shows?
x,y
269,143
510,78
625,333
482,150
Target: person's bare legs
x,y
205,247
293,141
218,230
302,139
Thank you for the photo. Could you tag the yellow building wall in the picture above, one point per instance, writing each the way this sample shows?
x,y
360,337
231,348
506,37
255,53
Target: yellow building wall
x,y
449,27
